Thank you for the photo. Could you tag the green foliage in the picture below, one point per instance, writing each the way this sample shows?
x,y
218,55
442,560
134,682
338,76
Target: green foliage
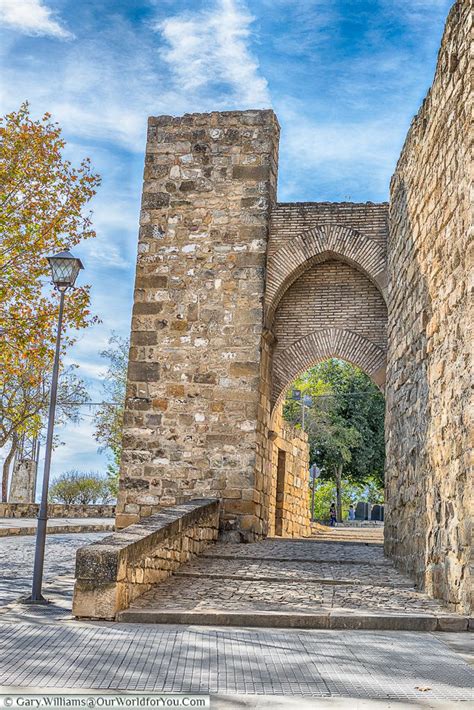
x,y
352,493
80,488
345,422
325,495
109,417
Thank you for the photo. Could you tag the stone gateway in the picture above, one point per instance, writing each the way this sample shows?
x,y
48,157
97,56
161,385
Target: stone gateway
x,y
236,294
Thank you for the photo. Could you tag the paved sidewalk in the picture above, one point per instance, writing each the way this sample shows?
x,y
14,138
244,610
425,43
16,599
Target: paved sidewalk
x,y
409,667
16,563
27,526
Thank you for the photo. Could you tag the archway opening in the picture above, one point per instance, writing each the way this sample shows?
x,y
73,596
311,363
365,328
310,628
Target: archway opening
x,y
328,449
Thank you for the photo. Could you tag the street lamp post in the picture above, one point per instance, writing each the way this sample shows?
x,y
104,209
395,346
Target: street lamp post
x,y
315,473
304,402
64,270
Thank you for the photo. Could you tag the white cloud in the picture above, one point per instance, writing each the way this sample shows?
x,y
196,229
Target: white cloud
x,y
111,80
332,159
31,17
211,47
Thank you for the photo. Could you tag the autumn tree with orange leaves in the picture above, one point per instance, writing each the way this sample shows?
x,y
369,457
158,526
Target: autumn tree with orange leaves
x,y
43,210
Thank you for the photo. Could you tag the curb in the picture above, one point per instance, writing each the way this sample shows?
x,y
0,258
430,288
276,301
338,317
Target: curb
x,y
10,532
326,620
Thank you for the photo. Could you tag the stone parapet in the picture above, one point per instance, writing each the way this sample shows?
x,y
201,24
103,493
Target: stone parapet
x,y
111,573
56,510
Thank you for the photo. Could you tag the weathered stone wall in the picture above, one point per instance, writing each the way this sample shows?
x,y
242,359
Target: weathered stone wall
x,y
289,514
56,510
428,488
23,482
193,379
113,572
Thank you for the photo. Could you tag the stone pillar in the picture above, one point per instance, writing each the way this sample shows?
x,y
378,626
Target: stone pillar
x,y
23,483
193,381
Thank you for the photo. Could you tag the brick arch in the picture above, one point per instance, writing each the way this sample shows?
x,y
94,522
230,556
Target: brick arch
x,y
316,245
322,345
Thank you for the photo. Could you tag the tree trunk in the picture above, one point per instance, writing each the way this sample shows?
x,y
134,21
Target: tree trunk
x,y
6,468
339,493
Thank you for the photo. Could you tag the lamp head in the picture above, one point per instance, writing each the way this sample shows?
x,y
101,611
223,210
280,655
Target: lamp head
x,y
64,269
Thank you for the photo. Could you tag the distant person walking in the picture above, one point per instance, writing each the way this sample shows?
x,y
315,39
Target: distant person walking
x,y
352,513
332,515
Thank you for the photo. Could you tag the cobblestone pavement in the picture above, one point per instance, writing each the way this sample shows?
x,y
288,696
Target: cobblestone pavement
x,y
17,556
401,666
297,576
347,532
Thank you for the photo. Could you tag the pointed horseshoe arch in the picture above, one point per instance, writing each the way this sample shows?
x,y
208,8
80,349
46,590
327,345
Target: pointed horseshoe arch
x,y
322,345
316,245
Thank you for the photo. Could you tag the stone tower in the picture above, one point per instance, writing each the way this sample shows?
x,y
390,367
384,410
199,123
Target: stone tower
x,y
193,392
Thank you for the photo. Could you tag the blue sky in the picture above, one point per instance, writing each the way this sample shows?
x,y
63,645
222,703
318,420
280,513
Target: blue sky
x,y
345,78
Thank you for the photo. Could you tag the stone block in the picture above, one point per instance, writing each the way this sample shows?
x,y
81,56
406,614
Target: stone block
x,y
453,623
95,601
144,371
123,520
251,172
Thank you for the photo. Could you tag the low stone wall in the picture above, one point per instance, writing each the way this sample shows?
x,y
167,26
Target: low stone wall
x,y
56,510
111,573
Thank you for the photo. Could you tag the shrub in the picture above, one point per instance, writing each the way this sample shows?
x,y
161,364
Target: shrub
x,y
81,488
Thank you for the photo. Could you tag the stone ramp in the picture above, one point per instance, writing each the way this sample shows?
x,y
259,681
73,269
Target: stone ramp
x,y
303,583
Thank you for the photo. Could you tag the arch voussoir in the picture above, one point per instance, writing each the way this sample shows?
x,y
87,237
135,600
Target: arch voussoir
x,y
316,245
322,345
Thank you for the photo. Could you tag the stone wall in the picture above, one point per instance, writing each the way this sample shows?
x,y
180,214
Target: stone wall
x,y
23,482
428,489
194,373
56,510
289,514
113,572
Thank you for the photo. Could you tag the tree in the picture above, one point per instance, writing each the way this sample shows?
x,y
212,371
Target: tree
x,y
109,417
42,211
78,488
24,404
335,439
344,422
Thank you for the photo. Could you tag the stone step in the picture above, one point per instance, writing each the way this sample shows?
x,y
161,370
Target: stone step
x,y
324,619
295,558
293,580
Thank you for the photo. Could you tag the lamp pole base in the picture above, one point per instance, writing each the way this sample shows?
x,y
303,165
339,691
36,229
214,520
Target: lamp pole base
x,y
30,600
